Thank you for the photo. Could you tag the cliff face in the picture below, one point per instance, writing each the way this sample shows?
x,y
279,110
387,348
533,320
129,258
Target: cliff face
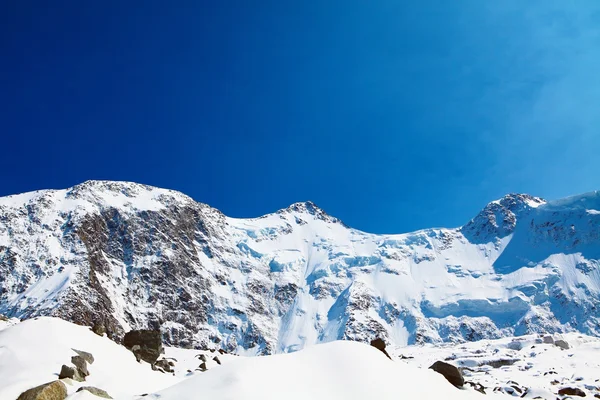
x,y
128,256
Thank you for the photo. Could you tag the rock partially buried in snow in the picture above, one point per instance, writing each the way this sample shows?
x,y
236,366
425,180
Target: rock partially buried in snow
x,y
569,391
85,355
70,372
379,344
49,391
95,391
81,365
562,344
450,372
145,344
548,339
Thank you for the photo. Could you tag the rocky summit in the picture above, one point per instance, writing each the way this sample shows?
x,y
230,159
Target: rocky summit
x,y
120,256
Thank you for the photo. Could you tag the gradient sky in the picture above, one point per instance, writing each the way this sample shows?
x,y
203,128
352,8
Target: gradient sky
x,y
391,115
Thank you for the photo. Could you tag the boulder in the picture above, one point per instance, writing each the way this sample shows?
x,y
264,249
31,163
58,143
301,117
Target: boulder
x,y
85,355
81,365
379,344
216,359
202,367
548,339
515,345
55,390
450,372
145,344
570,391
477,386
202,357
95,391
562,344
70,372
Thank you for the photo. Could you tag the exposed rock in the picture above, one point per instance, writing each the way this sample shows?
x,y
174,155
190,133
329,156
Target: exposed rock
x,y
477,386
379,344
221,351
500,363
146,344
165,365
49,391
548,339
70,372
216,359
562,344
202,367
95,391
570,391
450,372
85,355
99,329
3,318
202,357
81,365
515,345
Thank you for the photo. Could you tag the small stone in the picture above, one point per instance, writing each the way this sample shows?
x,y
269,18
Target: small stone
x,y
95,391
70,372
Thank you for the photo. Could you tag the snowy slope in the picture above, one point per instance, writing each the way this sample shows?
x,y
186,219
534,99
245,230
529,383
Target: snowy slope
x,y
32,352
127,256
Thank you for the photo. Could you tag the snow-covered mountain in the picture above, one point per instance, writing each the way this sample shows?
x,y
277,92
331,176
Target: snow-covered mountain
x,y
125,255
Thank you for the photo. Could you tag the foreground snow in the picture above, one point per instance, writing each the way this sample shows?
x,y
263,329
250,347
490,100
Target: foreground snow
x,y
32,352
337,370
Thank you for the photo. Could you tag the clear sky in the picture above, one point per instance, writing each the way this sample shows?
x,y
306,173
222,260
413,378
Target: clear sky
x,y
391,115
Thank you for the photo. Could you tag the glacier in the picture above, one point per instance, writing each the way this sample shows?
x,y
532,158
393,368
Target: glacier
x,y
130,256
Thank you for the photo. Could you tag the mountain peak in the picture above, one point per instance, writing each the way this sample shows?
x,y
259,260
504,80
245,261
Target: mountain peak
x,y
308,207
499,217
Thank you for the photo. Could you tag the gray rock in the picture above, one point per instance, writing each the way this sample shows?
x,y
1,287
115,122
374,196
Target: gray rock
x,y
450,372
548,339
85,355
95,391
99,329
202,367
216,359
202,357
70,372
55,390
81,365
515,345
562,344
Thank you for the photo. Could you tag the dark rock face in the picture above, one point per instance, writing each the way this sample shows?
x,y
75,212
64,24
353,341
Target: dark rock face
x,y
95,391
202,367
49,391
569,391
379,344
450,372
145,344
70,372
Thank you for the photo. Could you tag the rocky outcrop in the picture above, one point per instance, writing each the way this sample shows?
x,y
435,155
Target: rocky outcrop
x,y
450,372
146,344
88,357
49,391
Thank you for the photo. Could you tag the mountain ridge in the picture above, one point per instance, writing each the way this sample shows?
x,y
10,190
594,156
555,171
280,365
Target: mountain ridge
x,y
127,255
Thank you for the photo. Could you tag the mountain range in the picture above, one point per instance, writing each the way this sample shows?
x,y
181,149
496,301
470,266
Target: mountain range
x,y
121,256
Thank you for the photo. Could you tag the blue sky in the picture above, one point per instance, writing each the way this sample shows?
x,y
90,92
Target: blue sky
x,y
391,115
